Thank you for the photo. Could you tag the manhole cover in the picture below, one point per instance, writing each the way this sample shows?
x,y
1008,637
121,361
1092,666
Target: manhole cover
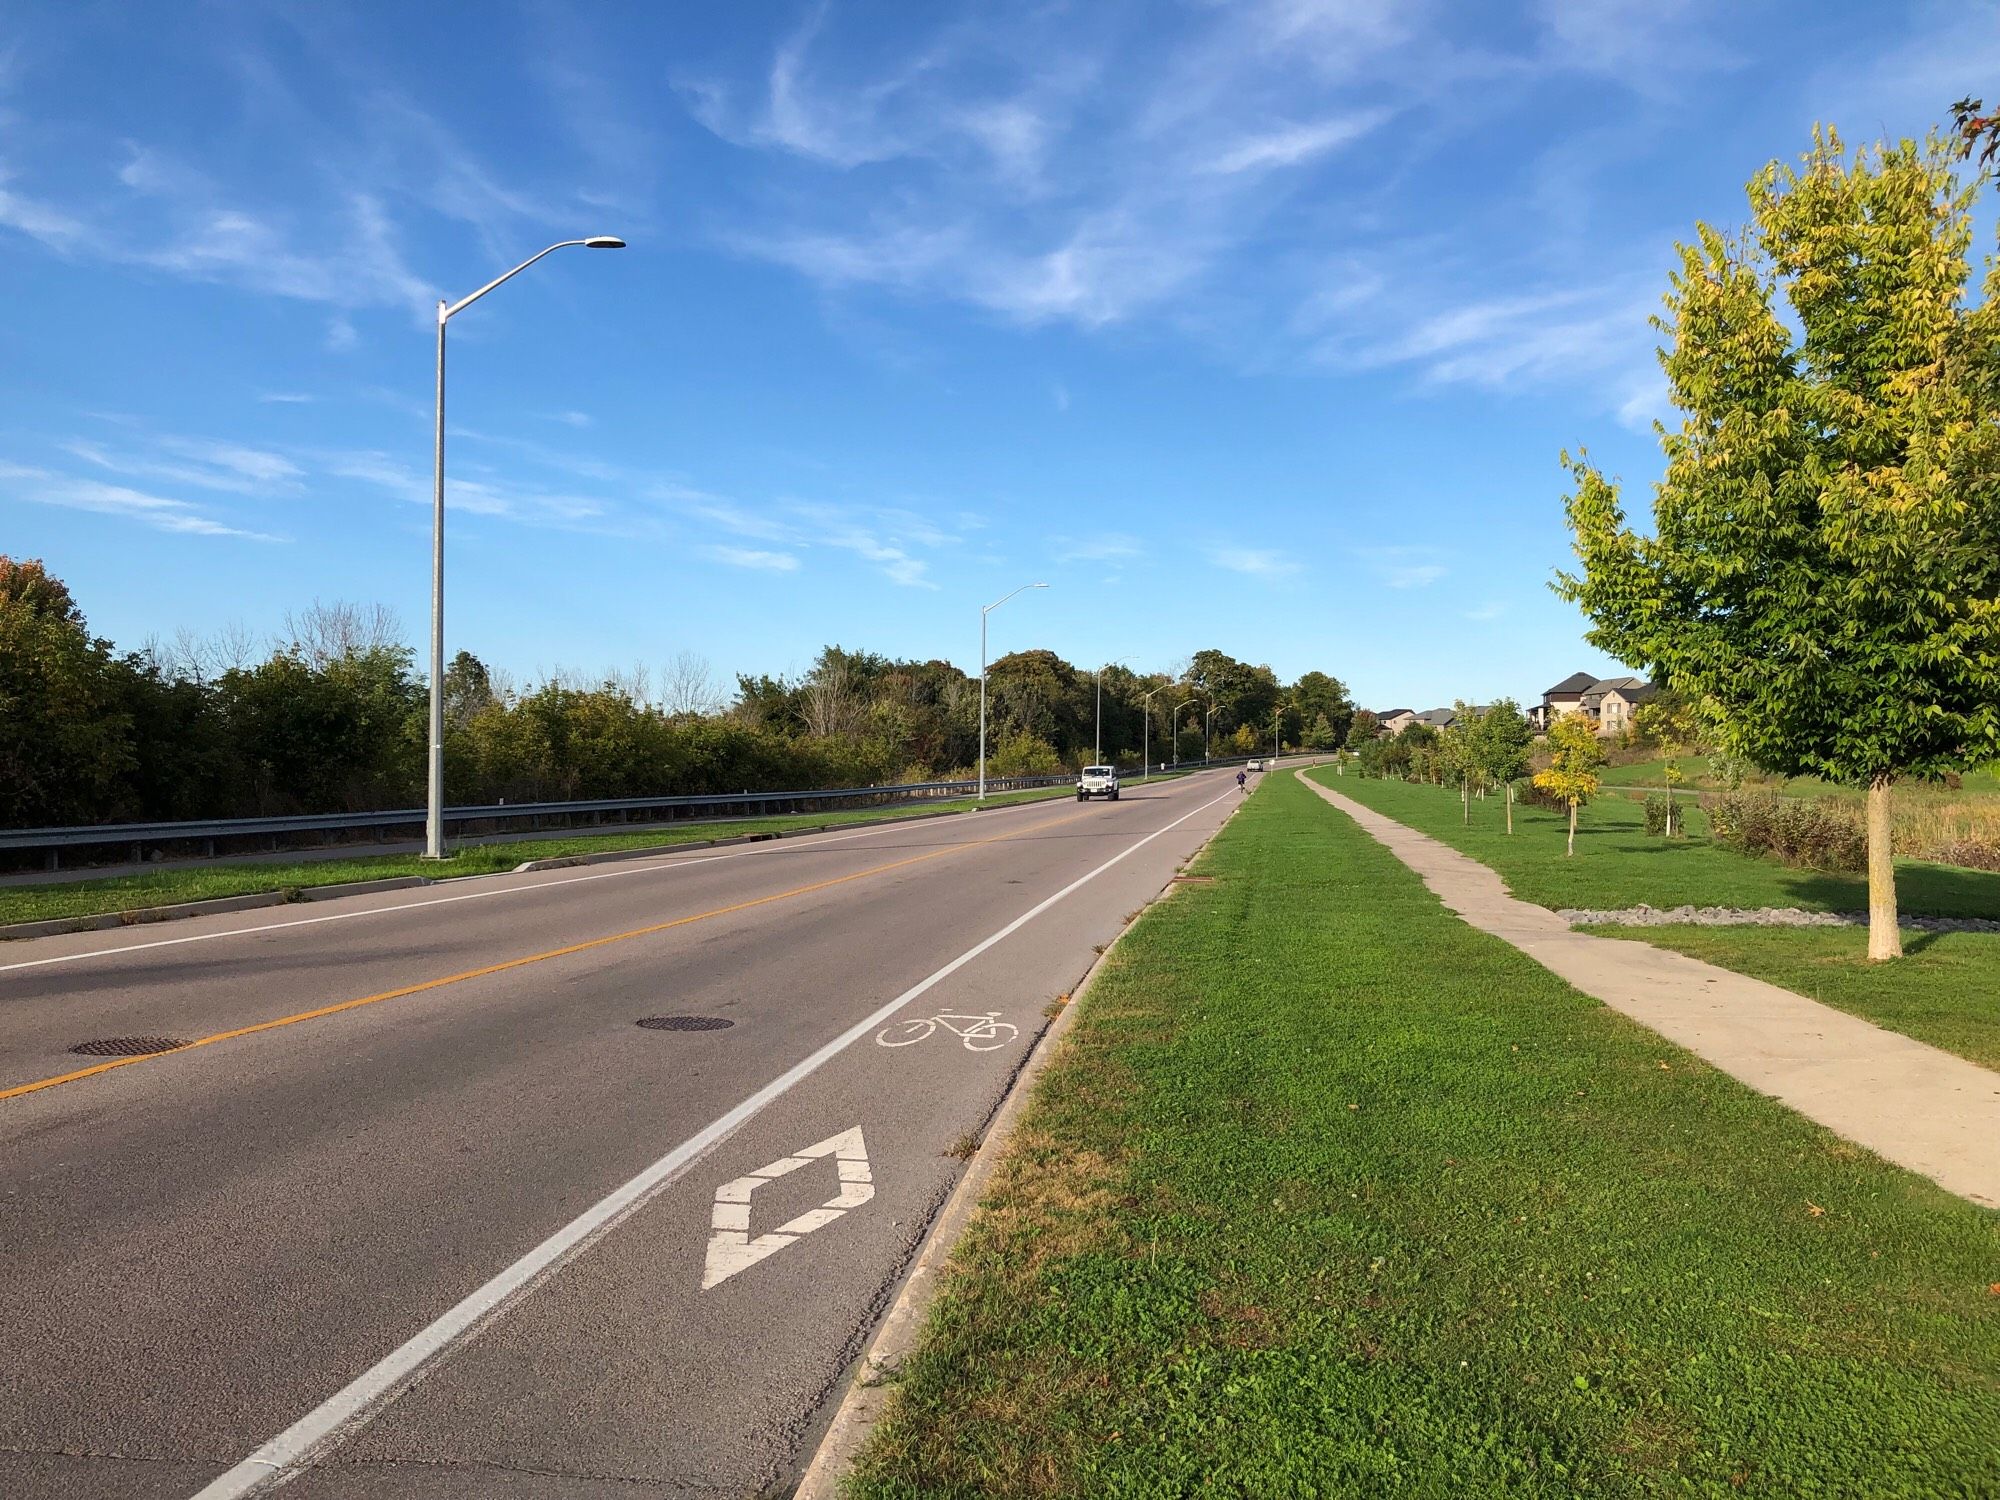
x,y
686,1023
128,1046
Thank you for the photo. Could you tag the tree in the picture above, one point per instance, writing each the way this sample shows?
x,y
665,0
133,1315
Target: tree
x,y
1677,724
1826,563
1364,730
468,688
1246,695
65,737
1499,739
1976,130
1317,696
1572,773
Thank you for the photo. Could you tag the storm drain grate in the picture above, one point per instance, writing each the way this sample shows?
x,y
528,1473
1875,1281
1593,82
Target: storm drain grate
x,y
128,1046
686,1023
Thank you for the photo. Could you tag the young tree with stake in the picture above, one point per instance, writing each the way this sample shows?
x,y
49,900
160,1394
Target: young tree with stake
x,y
1826,559
1572,773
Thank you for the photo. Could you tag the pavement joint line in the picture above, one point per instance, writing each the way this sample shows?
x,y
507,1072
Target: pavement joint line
x,y
403,991
666,862
356,1404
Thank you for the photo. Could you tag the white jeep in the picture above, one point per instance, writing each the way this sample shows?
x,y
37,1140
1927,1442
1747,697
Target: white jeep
x,y
1097,781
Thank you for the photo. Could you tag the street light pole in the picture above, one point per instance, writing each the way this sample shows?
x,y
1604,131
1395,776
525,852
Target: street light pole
x,y
434,806
1208,735
984,611
1173,731
1146,732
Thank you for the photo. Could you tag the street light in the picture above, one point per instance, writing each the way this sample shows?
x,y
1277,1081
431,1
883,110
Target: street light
x,y
1208,735
1173,730
984,611
1099,732
434,814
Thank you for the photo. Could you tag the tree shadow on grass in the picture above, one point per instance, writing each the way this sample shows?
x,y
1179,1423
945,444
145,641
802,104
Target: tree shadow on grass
x,y
1921,890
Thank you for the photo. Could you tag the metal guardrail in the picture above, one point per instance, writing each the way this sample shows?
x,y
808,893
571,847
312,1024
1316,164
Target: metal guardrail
x,y
207,833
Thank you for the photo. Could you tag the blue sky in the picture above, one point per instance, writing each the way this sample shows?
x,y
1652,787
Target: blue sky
x,y
1257,325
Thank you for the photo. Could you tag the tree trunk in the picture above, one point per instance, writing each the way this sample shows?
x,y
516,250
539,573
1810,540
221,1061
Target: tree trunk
x,y
1572,829
1885,939
1510,807
1465,796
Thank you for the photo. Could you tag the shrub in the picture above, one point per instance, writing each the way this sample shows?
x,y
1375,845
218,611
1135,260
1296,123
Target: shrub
x,y
1974,854
1529,794
1819,835
1656,813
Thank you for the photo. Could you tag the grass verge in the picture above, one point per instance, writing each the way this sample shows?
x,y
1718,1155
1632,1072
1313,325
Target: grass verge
x,y
1618,864
206,882
1945,990
1329,1193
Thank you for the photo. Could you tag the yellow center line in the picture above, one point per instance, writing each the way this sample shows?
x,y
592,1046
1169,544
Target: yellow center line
x,y
516,963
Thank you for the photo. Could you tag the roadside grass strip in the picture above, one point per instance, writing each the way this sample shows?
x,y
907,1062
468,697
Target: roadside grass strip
x,y
1945,990
1618,864
204,882
1330,1194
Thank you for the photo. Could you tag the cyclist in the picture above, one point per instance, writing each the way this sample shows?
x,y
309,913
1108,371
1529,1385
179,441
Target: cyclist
x,y
1241,777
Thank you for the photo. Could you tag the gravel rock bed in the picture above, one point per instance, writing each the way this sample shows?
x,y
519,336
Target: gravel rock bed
x,y
1766,916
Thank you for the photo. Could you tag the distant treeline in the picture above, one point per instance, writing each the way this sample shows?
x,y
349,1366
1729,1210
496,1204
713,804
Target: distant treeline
x,y
332,717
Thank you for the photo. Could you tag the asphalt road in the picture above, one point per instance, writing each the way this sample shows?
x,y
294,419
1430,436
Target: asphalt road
x,y
426,1212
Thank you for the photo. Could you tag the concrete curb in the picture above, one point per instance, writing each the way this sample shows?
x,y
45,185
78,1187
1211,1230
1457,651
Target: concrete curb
x,y
871,1386
105,921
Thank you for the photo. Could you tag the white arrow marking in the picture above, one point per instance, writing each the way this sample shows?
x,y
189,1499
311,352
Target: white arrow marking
x,y
730,1248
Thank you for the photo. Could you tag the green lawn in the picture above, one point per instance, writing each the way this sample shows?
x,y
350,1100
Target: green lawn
x,y
1617,864
1329,1194
204,882
1945,990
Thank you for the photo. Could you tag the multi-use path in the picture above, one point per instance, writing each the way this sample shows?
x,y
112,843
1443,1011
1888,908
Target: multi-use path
x,y
423,1208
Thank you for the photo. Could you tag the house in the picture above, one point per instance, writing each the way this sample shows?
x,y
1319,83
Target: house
x,y
1395,720
1608,702
1566,697
1612,702
1438,718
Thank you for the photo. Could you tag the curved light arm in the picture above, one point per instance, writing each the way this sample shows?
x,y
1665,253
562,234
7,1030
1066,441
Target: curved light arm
x,y
1179,706
459,306
984,609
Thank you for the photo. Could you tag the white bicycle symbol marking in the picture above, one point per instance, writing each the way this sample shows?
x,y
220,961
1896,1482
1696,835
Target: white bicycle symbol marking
x,y
980,1033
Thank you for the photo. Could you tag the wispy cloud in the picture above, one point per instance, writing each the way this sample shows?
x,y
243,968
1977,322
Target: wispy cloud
x,y
1105,546
1044,196
1255,561
1290,146
749,557
1403,567
159,512
209,465
287,398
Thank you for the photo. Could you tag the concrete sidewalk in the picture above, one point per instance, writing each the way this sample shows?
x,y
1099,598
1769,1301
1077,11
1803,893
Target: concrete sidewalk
x,y
1917,1106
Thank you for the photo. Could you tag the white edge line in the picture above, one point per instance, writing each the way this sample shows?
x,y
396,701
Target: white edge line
x,y
666,861
356,1404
